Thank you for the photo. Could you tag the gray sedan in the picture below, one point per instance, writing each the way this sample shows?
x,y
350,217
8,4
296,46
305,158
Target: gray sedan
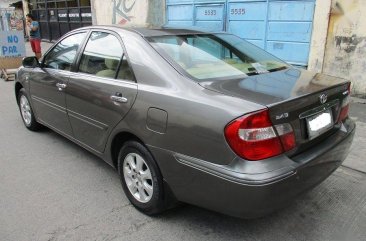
x,y
189,116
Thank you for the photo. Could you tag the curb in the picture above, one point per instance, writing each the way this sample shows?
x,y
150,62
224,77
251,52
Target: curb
x,y
358,100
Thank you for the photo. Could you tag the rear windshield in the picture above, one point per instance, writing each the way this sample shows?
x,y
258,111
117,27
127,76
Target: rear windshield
x,y
215,56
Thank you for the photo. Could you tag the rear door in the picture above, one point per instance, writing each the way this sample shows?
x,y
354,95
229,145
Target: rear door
x,y
102,91
48,83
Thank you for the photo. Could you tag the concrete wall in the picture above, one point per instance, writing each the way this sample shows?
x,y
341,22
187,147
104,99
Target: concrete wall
x,y
128,12
5,3
346,43
319,35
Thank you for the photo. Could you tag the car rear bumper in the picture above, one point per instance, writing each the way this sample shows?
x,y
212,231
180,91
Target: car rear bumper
x,y
247,195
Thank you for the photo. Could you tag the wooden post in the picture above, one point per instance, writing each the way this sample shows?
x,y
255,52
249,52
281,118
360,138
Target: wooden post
x,y
4,75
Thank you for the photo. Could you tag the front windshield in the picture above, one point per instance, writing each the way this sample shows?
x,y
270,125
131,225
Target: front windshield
x,y
215,56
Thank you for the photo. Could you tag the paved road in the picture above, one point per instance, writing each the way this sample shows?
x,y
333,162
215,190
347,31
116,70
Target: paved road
x,y
44,47
357,158
51,189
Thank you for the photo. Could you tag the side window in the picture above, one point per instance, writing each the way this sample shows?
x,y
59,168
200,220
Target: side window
x,y
63,54
208,45
102,55
125,72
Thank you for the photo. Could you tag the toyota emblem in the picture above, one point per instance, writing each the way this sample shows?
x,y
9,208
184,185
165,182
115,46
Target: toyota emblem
x,y
323,98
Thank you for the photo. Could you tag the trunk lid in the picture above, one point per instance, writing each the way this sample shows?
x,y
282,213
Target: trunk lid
x,y
292,96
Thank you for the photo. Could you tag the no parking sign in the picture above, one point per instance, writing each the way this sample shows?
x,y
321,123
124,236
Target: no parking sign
x,y
12,44
12,49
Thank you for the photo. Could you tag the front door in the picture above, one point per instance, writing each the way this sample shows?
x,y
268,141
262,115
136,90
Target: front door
x,y
101,93
48,84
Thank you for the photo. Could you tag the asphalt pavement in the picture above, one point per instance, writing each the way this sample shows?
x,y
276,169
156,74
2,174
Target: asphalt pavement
x,y
52,189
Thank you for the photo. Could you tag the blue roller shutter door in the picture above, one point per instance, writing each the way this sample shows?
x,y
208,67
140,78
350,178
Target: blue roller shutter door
x,y
248,20
210,17
282,27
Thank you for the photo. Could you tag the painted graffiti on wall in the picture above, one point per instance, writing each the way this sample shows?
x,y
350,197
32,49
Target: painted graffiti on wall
x,y
346,45
349,44
122,8
128,12
11,19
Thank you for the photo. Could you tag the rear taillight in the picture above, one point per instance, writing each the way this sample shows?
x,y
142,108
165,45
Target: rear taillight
x,y
286,135
345,106
344,113
253,136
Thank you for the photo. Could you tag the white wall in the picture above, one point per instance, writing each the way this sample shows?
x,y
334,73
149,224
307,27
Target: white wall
x,y
128,12
5,3
319,35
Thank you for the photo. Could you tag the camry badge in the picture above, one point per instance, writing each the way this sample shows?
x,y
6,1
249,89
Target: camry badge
x,y
323,98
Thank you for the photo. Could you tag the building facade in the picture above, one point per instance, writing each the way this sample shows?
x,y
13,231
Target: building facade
x,y
326,36
57,17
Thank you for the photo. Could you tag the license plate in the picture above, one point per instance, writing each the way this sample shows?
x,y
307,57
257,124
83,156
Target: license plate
x,y
319,123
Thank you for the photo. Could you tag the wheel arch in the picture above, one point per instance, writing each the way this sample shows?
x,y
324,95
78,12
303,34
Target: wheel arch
x,y
116,144
118,141
18,87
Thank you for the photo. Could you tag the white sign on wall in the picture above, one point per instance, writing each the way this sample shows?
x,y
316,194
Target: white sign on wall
x,y
12,44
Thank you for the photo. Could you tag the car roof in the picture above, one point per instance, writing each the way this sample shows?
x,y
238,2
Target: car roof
x,y
150,32
153,31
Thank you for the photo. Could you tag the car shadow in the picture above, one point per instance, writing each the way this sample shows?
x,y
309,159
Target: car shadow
x,y
328,212
321,214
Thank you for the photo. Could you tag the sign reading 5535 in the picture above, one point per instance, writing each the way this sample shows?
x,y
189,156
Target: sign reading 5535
x,y
237,11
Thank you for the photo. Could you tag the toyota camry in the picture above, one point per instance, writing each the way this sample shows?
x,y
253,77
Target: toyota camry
x,y
188,116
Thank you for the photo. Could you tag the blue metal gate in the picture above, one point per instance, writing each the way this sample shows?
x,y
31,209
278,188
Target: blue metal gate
x,y
282,27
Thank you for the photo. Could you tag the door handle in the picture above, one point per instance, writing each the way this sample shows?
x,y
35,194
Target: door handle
x,y
119,99
61,86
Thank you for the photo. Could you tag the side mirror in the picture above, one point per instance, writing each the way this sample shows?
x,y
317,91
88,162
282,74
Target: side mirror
x,y
30,62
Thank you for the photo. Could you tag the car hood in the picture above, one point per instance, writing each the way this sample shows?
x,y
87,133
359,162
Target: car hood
x,y
274,87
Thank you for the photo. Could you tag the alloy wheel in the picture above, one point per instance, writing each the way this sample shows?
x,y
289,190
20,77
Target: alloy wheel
x,y
25,110
138,177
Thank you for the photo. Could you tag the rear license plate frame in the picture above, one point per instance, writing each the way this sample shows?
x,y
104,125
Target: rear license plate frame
x,y
319,123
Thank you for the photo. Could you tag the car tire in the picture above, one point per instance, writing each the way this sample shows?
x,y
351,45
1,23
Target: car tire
x,y
141,179
26,112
